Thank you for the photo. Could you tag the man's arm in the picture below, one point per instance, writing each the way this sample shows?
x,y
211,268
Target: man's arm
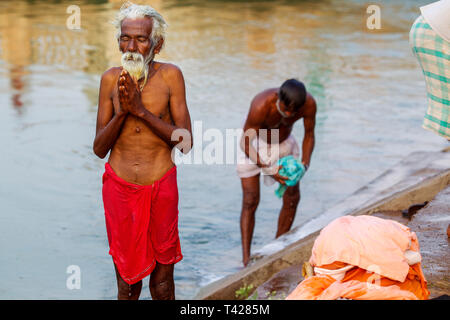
x,y
178,110
253,123
309,122
109,123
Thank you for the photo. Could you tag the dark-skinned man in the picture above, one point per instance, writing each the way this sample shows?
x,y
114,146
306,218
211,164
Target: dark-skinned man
x,y
141,105
267,137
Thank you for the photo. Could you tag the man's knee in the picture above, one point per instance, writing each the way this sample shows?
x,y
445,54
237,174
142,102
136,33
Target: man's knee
x,y
250,200
161,284
292,197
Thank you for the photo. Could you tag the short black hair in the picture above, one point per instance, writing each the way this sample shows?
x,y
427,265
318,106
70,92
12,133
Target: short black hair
x,y
293,94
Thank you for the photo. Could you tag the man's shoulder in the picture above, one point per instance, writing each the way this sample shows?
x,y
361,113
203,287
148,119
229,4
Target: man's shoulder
x,y
111,74
262,100
266,94
260,107
310,105
167,66
169,69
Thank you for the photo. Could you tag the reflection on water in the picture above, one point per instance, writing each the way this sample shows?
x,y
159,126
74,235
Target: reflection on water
x,y
371,100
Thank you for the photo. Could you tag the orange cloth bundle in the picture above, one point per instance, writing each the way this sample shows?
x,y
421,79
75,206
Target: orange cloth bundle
x,y
380,252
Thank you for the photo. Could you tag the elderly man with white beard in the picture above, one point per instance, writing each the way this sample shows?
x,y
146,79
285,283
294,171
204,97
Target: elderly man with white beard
x,y
141,105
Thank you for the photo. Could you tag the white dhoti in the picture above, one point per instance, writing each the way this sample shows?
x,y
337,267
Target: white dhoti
x,y
269,153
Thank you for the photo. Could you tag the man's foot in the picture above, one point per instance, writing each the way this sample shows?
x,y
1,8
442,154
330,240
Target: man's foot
x,y
245,261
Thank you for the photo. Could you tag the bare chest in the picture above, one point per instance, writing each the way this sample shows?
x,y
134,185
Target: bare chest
x,y
155,98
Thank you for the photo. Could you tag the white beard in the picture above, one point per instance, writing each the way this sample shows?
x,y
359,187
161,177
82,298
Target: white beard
x,y
136,65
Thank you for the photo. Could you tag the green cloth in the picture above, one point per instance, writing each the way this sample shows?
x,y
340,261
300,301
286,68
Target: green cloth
x,y
433,54
293,169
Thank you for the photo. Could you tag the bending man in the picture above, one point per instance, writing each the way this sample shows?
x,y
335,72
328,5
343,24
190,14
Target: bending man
x,y
267,138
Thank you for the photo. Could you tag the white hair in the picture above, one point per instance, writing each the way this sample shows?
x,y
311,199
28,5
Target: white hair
x,y
133,11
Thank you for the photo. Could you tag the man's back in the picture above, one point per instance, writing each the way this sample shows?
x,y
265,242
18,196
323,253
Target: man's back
x,y
268,138
262,115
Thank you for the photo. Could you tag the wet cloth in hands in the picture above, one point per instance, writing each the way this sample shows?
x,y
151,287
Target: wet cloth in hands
x,y
270,154
293,169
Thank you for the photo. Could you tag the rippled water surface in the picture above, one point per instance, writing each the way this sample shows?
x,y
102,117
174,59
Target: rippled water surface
x,y
371,101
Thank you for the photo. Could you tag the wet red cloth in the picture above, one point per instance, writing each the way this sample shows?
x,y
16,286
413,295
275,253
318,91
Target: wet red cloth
x,y
142,223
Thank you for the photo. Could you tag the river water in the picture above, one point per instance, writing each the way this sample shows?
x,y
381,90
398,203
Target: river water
x,y
369,90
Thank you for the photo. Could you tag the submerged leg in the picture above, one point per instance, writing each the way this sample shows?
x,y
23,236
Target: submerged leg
x,y
250,201
291,199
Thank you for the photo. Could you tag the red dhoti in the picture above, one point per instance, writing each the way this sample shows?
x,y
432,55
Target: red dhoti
x,y
141,223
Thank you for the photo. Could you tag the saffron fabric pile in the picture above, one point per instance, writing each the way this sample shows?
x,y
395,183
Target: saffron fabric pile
x,y
364,258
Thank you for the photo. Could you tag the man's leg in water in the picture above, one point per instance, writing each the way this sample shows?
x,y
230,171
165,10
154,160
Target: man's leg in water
x,y
126,291
162,286
250,201
291,198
